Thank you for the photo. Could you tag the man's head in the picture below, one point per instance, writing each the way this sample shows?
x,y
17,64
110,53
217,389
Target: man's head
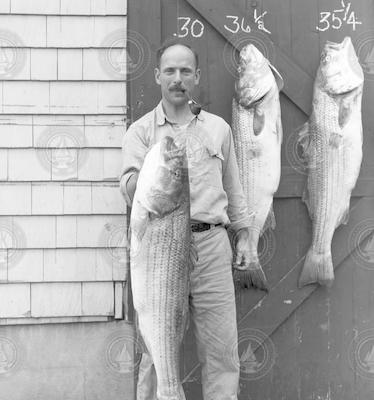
x,y
177,72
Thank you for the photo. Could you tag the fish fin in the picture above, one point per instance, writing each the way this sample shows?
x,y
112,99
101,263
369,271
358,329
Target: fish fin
x,y
317,268
258,121
254,276
140,346
279,128
345,111
270,221
304,138
306,200
343,218
138,225
278,77
346,105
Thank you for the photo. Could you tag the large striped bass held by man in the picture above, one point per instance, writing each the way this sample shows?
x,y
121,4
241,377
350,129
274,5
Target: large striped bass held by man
x,y
160,260
257,133
332,143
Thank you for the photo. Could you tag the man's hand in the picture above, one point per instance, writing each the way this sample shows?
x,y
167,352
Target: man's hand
x,y
248,271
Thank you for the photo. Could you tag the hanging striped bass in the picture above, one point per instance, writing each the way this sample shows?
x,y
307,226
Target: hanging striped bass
x,y
257,133
332,142
160,260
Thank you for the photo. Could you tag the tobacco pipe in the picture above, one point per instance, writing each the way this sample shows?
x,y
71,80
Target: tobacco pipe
x,y
195,107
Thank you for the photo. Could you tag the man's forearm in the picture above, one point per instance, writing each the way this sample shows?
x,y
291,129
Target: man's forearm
x,y
128,187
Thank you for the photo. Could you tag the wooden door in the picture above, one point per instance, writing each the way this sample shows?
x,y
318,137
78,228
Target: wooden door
x,y
310,343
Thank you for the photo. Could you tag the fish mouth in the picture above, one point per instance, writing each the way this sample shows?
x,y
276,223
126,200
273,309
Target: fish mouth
x,y
338,46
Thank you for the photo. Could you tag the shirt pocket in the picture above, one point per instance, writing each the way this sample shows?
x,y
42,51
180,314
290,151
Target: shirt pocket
x,y
213,166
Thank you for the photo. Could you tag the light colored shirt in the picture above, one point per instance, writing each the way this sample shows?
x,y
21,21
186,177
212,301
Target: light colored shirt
x,y
215,190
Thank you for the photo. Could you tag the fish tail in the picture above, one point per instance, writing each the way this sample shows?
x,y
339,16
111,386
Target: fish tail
x,y
252,277
317,268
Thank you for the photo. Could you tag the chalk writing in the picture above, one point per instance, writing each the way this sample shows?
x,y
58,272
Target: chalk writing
x,y
336,18
236,26
194,28
236,23
260,21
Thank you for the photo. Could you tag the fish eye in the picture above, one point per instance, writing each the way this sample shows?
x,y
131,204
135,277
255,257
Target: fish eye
x,y
177,173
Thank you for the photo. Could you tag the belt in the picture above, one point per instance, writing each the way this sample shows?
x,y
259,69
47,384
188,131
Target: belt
x,y
202,226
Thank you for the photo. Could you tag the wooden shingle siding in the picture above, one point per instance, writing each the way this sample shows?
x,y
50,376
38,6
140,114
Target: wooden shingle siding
x,y
62,7
14,300
46,64
36,97
62,31
62,118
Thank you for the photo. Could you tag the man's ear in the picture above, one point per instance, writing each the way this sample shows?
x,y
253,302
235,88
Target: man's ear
x,y
197,76
157,76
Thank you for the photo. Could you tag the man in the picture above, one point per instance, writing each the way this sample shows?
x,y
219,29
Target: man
x,y
217,202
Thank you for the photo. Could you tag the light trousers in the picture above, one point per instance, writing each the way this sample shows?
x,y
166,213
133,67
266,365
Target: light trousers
x,y
213,315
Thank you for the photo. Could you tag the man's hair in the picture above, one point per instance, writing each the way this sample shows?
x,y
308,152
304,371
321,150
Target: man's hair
x,y
172,42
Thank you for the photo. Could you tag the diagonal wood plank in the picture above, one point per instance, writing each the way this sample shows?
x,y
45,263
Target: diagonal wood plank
x,y
298,84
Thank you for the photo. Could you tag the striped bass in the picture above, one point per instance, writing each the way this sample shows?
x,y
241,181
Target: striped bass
x,y
332,143
160,260
257,133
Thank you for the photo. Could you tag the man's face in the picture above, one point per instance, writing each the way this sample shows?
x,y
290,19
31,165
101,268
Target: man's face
x,y
177,74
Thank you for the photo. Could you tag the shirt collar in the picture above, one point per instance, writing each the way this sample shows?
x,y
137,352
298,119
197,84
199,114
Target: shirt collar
x,y
161,118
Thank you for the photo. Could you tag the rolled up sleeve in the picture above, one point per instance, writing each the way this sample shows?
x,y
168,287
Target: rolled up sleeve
x,y
134,149
237,209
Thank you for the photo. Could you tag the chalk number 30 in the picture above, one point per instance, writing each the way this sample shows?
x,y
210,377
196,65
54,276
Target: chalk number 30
x,y
194,28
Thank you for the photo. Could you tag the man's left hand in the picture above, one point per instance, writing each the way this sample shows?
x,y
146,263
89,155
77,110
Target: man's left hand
x,y
249,273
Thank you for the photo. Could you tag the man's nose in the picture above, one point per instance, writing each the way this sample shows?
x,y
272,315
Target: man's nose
x,y
177,76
